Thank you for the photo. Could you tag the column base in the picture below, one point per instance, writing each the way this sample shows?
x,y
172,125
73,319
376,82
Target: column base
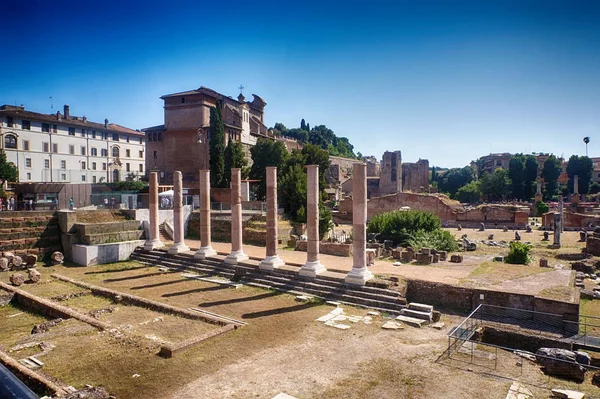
x,y
312,269
205,252
178,248
271,262
153,244
358,276
235,257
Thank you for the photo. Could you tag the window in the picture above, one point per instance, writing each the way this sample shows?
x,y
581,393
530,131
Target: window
x,y
141,168
498,163
93,134
46,127
115,152
94,152
128,153
25,145
63,176
55,148
71,149
115,136
155,136
10,141
28,176
26,125
127,138
82,177
83,165
94,179
104,152
63,164
28,162
71,131
105,136
103,166
82,132
45,147
93,165
159,136
10,121
141,141
83,150
141,154
46,164
127,167
155,155
54,128
150,136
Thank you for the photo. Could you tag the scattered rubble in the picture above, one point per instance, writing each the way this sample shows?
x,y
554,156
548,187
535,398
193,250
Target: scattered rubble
x,y
45,326
17,279
560,363
57,258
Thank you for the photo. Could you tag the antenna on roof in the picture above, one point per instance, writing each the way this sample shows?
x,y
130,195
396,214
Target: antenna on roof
x,y
51,105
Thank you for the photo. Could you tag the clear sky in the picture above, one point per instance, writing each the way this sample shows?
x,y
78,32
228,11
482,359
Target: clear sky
x,y
449,81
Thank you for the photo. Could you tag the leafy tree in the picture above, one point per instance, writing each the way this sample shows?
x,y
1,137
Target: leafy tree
x,y
518,253
542,208
303,124
292,192
470,193
217,147
234,158
440,240
8,170
582,167
433,174
401,226
550,172
308,127
454,179
266,153
516,173
495,186
594,188
530,176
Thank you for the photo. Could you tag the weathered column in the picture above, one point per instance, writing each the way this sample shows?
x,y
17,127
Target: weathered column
x,y
557,229
538,192
153,241
206,248
178,244
313,266
561,210
359,273
576,185
272,260
237,253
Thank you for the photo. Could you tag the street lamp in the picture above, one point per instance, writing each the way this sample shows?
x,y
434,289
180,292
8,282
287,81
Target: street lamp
x,y
586,140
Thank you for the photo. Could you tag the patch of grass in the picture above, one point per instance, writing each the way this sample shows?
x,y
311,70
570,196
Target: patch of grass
x,y
559,293
497,272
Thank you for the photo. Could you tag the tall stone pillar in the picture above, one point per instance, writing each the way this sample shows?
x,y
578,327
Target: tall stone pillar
x,y
206,249
178,244
575,197
561,211
359,274
153,241
538,192
557,229
313,266
237,253
272,260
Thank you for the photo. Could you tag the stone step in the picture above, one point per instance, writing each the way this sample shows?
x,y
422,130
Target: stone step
x,y
417,315
421,307
411,321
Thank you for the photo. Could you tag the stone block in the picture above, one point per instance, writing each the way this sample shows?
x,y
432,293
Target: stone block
x,y
456,258
443,255
560,363
87,255
424,258
544,262
436,258
425,251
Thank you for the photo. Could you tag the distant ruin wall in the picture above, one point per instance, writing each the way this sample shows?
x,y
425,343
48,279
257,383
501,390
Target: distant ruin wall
x,y
424,202
415,176
572,220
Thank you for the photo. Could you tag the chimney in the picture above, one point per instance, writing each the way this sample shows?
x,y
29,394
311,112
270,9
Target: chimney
x,y
66,108
106,123
84,118
58,115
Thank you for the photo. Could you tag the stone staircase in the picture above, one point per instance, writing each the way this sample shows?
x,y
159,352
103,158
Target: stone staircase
x,y
327,288
35,232
164,236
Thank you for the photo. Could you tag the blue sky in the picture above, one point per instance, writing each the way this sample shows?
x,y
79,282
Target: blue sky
x,y
444,80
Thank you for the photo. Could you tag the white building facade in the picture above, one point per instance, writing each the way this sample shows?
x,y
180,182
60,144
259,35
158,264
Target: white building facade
x,y
61,148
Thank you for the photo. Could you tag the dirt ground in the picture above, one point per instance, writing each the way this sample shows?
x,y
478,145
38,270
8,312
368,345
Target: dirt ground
x,y
282,349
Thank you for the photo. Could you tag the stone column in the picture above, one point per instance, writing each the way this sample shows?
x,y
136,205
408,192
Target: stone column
x,y
538,192
153,241
206,249
272,260
359,273
561,210
237,253
576,185
313,266
178,244
557,229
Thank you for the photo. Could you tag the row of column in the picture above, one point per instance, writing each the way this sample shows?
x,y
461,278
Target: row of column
x,y
359,274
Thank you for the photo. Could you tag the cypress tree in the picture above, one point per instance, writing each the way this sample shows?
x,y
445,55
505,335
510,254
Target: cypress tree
x,y
303,124
217,147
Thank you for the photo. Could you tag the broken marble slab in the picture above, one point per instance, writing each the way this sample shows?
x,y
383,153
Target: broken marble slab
x,y
392,325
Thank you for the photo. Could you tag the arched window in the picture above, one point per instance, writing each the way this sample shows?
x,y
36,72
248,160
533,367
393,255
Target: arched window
x,y
115,152
115,175
10,141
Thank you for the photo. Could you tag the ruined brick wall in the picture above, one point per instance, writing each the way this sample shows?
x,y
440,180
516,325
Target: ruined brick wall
x,y
415,176
340,170
390,181
424,202
328,248
572,220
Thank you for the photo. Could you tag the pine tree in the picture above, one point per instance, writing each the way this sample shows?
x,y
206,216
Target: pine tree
x,y
308,127
217,147
303,124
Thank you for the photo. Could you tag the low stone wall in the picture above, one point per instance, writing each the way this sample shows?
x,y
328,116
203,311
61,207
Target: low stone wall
x,y
328,248
520,340
88,255
168,350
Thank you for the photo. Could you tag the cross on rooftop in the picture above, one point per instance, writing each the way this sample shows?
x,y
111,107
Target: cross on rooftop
x,y
241,88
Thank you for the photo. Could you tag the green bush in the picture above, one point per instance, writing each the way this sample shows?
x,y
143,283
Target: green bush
x,y
542,208
440,240
400,226
518,253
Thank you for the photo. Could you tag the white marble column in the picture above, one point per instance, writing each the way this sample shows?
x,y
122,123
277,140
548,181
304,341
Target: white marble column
x,y
359,274
153,241
178,244
272,260
206,249
313,266
237,253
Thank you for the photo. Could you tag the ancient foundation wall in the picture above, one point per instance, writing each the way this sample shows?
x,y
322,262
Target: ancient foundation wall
x,y
328,248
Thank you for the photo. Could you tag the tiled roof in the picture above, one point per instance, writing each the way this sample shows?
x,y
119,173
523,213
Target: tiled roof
x,y
72,121
157,127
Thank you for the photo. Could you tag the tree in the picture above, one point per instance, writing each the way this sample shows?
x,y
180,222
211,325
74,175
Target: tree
x,y
470,193
8,170
217,147
530,176
495,186
516,173
582,167
550,172
433,174
455,178
586,140
266,153
234,158
303,124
